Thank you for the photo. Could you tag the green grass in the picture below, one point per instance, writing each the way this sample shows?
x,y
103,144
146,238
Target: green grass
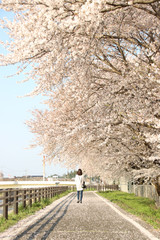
x,y
24,212
139,206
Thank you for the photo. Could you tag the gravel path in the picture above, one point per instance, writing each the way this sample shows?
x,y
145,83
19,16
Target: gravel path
x,y
96,218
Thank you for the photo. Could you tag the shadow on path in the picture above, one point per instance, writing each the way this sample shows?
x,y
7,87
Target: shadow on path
x,y
51,215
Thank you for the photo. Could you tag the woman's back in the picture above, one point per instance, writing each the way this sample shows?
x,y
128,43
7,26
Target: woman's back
x,y
79,179
79,182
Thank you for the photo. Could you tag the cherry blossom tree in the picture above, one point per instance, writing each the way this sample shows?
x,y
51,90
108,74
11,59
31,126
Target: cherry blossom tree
x,y
98,62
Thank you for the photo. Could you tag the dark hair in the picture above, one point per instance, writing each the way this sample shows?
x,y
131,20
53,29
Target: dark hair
x,y
79,172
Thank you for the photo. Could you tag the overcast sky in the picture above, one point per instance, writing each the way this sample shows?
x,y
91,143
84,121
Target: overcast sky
x,y
15,158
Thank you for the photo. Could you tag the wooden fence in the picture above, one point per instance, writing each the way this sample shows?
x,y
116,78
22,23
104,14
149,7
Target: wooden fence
x,y
12,198
103,187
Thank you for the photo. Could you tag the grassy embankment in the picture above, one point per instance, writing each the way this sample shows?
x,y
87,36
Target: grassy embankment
x,y
139,206
24,212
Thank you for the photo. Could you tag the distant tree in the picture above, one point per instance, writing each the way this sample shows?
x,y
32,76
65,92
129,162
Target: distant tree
x,y
70,174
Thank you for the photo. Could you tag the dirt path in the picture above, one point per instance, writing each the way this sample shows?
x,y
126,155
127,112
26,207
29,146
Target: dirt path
x,y
96,218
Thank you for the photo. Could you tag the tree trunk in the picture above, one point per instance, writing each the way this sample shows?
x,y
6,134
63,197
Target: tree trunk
x,y
156,183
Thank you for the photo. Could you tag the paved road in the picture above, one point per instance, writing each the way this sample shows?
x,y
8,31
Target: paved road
x,y
95,218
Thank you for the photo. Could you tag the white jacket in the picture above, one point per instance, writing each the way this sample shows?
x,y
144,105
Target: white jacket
x,y
79,181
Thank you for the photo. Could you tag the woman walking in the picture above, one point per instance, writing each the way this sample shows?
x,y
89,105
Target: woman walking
x,y
79,179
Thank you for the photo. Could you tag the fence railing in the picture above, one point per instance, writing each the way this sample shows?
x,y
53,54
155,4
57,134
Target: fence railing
x,y
103,187
12,198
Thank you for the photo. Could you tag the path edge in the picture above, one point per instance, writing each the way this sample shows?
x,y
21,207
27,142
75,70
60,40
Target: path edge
x,y
133,222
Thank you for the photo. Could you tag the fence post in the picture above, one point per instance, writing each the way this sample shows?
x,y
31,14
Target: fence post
x,y
50,192
15,202
46,191
54,191
24,198
30,197
5,205
42,193
34,195
39,194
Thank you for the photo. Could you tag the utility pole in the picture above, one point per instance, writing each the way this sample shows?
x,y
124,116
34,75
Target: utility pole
x,y
44,168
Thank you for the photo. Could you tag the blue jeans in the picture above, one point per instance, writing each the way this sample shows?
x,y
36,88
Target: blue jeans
x,y
80,194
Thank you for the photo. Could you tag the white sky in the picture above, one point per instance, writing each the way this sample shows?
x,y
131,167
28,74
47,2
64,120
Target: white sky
x,y
15,159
